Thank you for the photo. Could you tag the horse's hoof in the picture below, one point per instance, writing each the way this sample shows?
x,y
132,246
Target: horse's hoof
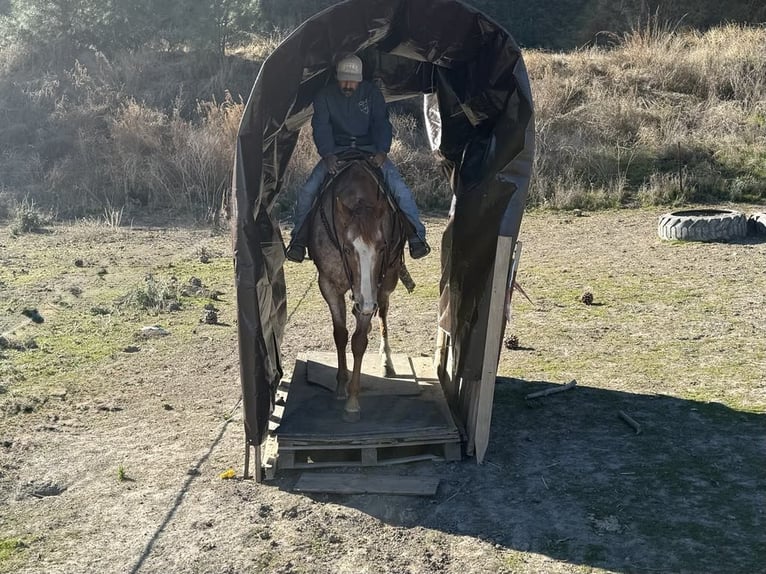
x,y
352,416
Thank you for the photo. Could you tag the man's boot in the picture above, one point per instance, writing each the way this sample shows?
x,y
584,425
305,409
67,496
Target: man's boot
x,y
418,247
295,252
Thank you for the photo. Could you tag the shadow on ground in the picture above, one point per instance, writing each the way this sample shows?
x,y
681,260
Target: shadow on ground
x,y
567,478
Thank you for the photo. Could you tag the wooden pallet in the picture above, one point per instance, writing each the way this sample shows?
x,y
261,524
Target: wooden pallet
x,y
398,424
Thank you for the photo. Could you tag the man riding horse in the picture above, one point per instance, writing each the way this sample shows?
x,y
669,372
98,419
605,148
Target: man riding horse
x,y
351,114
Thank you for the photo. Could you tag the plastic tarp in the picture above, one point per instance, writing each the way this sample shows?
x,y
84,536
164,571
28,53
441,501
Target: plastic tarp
x,y
479,117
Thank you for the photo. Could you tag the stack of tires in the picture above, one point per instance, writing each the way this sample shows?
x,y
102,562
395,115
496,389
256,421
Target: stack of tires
x,y
710,225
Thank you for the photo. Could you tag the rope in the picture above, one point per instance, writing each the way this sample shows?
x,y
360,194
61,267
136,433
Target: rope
x,y
303,298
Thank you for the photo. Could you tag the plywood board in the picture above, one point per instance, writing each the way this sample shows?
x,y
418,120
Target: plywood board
x,y
314,416
322,369
344,483
481,401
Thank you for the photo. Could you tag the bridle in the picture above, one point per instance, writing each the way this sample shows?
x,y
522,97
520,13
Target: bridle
x,y
332,232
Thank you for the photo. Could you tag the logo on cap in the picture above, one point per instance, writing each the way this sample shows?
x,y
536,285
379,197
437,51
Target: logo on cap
x,y
349,69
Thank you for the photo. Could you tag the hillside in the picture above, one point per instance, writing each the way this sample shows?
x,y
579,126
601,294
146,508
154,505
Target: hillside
x,y
95,126
564,24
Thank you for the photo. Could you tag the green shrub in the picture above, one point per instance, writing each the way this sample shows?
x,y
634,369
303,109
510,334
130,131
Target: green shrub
x,y
155,295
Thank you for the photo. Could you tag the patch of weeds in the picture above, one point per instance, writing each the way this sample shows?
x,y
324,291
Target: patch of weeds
x,y
155,295
113,216
24,405
513,560
10,546
28,218
204,255
98,310
121,476
11,344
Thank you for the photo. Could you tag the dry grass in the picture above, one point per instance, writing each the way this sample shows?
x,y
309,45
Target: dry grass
x,y
615,121
661,117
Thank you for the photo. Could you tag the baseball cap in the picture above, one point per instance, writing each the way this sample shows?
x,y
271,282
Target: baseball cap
x,y
349,69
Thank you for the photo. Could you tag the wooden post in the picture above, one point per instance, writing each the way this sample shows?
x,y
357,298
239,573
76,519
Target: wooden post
x,y
258,474
444,365
481,407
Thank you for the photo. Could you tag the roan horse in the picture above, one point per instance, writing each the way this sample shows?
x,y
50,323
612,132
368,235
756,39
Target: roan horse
x,y
356,241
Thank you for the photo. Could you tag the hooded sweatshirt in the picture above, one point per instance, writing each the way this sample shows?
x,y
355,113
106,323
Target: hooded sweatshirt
x,y
357,121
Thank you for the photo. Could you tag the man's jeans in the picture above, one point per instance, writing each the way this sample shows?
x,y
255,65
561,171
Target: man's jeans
x,y
394,182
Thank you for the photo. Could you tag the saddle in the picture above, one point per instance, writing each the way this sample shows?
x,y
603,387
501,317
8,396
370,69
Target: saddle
x,y
345,159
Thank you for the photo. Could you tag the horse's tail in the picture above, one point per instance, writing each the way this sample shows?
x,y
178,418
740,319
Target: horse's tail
x,y
406,278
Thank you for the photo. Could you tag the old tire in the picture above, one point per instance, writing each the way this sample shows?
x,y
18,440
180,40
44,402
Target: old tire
x,y
756,224
703,225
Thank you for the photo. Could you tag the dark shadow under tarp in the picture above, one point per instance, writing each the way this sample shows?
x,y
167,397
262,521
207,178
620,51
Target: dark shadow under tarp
x,y
479,117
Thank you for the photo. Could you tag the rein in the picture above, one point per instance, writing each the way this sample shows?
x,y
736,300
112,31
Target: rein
x,y
332,232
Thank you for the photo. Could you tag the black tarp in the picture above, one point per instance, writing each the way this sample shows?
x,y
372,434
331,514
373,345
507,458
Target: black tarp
x,y
479,117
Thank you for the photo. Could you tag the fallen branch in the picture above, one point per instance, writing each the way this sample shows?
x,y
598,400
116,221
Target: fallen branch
x,y
631,422
560,389
519,288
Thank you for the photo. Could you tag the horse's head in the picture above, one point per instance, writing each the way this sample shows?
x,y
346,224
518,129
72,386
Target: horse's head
x,y
363,224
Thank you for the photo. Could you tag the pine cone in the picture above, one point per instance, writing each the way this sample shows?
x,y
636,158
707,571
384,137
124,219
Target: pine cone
x,y
210,318
587,298
512,342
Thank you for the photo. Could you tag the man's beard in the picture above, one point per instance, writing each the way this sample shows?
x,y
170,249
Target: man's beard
x,y
347,92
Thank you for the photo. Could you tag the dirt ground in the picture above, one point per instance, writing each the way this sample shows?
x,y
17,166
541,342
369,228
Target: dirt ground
x,y
112,443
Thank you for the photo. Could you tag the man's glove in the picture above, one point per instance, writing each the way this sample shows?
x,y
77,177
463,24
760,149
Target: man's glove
x,y
379,158
331,162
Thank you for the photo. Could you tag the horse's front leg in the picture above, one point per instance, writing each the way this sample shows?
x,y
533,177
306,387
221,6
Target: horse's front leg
x,y
337,305
358,347
387,365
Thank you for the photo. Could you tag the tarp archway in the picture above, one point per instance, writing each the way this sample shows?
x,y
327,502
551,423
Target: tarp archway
x,y
479,117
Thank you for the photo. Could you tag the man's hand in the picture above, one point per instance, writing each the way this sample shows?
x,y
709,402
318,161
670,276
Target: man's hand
x,y
379,159
331,162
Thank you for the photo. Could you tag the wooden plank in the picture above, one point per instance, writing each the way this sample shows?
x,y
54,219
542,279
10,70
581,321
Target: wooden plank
x,y
444,359
303,445
424,369
313,413
322,368
408,459
286,459
452,451
369,456
355,464
269,450
396,429
370,362
339,483
318,457
481,411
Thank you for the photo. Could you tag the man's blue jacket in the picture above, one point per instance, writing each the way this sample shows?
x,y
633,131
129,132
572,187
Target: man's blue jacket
x,y
360,120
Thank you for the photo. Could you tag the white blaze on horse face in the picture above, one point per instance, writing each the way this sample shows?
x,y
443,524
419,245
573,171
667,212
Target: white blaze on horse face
x,y
367,281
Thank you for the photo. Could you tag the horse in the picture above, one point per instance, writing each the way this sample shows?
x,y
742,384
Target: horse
x,y
356,241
